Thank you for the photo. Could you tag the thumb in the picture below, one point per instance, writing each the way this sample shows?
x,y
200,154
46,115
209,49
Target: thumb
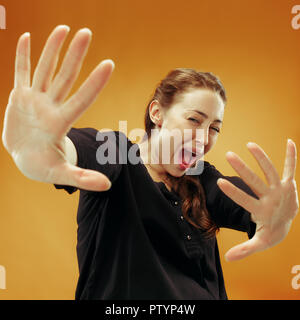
x,y
243,250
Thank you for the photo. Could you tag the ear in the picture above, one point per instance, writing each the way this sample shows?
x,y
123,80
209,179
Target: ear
x,y
155,113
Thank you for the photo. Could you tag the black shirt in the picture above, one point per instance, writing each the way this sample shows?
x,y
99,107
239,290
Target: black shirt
x,y
132,240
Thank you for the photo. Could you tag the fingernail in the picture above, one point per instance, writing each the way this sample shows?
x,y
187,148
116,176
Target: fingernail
x,y
290,140
249,144
106,60
113,64
230,153
86,30
108,185
63,26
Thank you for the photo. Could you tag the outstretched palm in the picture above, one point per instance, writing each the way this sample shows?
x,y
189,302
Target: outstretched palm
x,y
37,118
278,202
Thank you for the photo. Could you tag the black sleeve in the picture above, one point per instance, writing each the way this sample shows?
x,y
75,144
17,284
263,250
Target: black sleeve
x,y
224,211
90,144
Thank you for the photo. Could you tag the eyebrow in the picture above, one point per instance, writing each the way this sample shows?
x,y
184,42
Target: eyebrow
x,y
206,116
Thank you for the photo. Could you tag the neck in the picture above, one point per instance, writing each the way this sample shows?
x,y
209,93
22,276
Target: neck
x,y
156,171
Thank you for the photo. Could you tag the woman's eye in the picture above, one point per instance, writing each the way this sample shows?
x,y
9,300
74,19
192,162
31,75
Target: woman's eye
x,y
216,129
193,119
197,121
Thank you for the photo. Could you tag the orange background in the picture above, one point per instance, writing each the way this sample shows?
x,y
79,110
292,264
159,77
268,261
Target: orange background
x,y
250,45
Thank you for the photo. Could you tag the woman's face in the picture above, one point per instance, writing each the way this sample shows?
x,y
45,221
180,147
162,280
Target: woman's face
x,y
197,117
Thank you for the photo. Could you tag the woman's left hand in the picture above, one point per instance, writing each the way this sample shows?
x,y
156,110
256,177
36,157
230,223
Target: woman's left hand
x,y
278,201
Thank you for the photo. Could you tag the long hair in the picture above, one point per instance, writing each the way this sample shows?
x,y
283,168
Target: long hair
x,y
188,187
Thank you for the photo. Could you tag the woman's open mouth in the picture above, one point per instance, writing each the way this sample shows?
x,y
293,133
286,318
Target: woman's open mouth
x,y
186,158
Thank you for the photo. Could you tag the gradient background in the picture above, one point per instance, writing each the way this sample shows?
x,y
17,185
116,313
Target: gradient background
x,y
250,45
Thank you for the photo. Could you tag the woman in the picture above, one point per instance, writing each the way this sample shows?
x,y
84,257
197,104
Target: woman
x,y
145,230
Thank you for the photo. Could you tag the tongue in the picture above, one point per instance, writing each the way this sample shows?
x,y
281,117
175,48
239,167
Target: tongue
x,y
186,156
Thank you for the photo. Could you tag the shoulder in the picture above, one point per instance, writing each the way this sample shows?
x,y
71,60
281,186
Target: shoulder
x,y
209,170
208,165
94,136
112,140
210,176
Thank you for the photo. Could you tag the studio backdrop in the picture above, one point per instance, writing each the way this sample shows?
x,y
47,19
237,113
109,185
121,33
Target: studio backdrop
x,y
252,46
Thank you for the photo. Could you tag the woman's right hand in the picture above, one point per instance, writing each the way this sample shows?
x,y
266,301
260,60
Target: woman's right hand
x,y
37,118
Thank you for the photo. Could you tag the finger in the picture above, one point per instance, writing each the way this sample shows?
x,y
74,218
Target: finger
x,y
290,161
22,62
86,179
249,177
71,66
238,196
265,163
87,93
245,249
48,61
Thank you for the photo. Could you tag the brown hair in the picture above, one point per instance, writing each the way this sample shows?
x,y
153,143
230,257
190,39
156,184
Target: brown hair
x,y
188,187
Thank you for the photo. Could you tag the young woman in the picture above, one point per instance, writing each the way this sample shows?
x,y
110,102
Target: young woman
x,y
145,230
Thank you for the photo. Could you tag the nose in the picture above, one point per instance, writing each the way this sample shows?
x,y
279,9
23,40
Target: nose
x,y
202,137
206,135
201,143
